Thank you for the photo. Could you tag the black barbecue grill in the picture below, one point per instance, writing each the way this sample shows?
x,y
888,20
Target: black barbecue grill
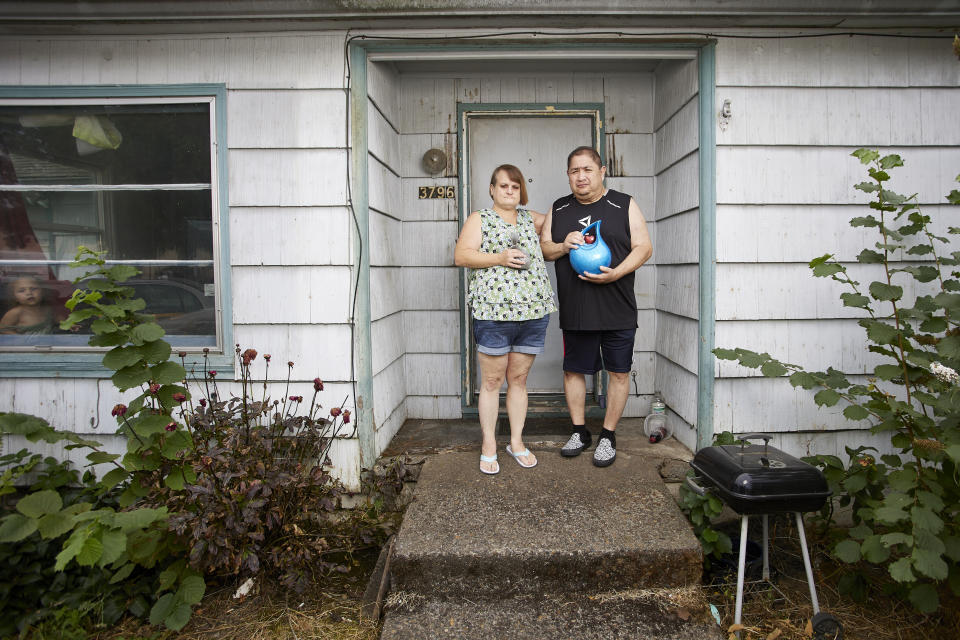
x,y
759,480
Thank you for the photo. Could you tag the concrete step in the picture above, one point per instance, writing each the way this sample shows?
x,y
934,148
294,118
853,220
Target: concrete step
x,y
563,527
653,615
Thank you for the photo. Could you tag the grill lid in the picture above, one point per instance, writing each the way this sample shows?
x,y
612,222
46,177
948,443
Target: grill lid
x,y
761,478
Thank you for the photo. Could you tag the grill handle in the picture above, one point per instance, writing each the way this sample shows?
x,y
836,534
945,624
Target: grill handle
x,y
696,488
766,437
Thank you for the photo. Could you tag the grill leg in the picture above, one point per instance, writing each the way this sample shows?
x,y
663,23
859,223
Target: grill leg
x,y
766,547
741,568
806,563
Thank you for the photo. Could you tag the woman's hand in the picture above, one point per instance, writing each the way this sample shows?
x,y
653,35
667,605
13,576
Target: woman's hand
x,y
513,258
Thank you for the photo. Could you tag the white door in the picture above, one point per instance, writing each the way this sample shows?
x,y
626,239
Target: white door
x,y
538,146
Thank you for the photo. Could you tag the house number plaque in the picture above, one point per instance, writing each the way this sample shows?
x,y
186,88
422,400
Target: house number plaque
x,y
429,193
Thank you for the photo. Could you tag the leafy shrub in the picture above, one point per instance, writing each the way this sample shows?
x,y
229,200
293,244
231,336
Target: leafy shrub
x,y
906,507
32,592
701,510
223,487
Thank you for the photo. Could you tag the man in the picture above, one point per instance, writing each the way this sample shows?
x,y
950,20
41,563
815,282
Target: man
x,y
598,311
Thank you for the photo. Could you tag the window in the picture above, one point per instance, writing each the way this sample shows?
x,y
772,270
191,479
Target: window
x,y
137,177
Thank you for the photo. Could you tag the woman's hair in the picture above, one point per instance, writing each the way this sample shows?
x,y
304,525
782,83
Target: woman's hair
x,y
513,174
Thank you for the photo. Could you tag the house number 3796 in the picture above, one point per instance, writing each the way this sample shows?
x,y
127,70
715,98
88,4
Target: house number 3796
x,y
426,193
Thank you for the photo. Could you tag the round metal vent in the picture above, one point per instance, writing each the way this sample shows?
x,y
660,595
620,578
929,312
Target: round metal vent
x,y
434,160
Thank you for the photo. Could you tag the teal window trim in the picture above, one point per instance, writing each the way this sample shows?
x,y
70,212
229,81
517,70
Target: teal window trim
x,y
71,364
466,110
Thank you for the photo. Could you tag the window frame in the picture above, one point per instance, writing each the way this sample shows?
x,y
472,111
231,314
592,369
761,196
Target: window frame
x,y
69,362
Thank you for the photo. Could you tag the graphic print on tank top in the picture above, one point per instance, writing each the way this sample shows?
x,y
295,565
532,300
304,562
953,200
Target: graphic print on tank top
x,y
586,306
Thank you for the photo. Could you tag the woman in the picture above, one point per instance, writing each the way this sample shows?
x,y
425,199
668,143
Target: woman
x,y
510,300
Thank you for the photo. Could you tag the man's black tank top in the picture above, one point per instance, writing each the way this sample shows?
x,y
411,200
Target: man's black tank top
x,y
585,306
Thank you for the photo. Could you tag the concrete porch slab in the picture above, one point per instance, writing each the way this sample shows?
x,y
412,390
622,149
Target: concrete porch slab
x,y
562,527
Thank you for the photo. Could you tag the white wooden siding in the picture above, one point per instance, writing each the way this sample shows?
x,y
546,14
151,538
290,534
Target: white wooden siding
x,y
288,178
842,61
431,288
642,189
630,154
678,289
286,119
431,331
382,139
433,374
678,137
386,291
384,249
678,239
291,295
812,344
290,236
785,191
388,340
429,243
676,82
384,91
389,390
240,61
321,350
679,391
678,187
826,175
677,339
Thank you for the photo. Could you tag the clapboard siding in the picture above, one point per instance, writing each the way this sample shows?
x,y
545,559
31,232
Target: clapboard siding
x,y
291,295
417,209
322,350
676,82
826,175
431,288
841,61
679,392
677,339
812,344
678,239
643,190
789,291
431,331
678,137
386,291
384,249
677,187
799,233
432,374
383,139
288,177
434,407
274,236
384,188
841,116
412,148
286,119
429,243
678,289
389,388
240,61
629,154
388,342
743,405
383,89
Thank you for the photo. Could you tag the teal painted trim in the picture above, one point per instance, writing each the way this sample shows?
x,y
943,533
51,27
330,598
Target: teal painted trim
x,y
112,91
559,41
466,340
88,365
362,320
708,248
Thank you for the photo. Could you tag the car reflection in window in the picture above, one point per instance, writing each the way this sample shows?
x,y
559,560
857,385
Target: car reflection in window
x,y
179,307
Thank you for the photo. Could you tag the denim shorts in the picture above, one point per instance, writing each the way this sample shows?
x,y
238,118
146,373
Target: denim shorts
x,y
500,337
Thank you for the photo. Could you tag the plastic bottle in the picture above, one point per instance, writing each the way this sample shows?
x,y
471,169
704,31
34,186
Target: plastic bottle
x,y
656,425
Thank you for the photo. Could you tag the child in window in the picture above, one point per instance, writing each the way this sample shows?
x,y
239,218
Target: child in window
x,y
31,315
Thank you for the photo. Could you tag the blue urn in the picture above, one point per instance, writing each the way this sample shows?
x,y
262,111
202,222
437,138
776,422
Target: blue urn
x,y
591,256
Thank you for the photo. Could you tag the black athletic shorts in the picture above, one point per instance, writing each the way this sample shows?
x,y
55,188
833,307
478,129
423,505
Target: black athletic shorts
x,y
590,351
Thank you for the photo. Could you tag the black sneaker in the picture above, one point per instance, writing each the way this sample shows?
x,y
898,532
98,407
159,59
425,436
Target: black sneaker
x,y
605,453
575,445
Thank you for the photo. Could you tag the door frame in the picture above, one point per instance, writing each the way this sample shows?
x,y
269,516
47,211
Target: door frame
x,y
465,112
359,48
